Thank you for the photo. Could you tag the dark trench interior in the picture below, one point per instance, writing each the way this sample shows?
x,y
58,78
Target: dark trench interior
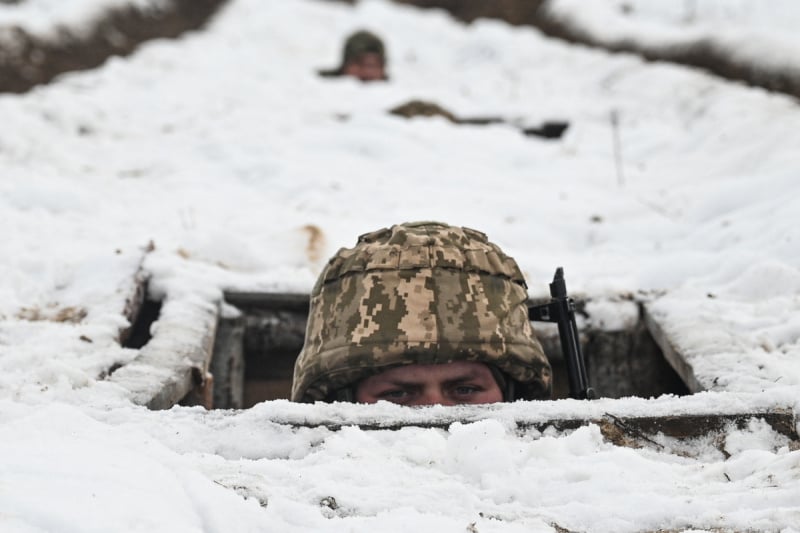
x,y
139,333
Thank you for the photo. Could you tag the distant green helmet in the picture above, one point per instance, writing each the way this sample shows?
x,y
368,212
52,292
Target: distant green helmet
x,y
362,42
425,293
357,44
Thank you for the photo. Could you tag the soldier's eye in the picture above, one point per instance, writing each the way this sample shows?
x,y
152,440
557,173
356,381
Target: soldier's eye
x,y
394,394
466,390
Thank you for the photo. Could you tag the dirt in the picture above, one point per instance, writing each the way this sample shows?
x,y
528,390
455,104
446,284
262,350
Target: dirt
x,y
316,242
53,313
27,60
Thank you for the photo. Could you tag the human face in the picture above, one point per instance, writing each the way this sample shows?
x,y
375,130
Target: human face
x,y
460,382
366,67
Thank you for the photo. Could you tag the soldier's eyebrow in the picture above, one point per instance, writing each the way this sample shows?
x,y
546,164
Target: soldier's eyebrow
x,y
397,382
467,376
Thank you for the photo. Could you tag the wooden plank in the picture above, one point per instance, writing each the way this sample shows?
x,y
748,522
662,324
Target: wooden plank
x,y
177,358
268,300
690,426
673,356
228,365
636,428
202,393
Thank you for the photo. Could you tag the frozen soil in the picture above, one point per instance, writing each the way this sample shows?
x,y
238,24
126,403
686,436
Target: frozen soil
x,y
29,57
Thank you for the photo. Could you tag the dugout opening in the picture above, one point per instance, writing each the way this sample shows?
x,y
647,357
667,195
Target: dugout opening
x,y
254,353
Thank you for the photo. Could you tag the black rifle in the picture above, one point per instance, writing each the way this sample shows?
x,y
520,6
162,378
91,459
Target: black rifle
x,y
561,310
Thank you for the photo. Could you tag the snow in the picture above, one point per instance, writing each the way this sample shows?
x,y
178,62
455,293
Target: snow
x,y
741,15
247,171
168,470
754,314
753,32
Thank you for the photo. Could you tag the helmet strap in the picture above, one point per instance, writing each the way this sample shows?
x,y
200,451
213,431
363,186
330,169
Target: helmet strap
x,y
506,384
509,394
345,394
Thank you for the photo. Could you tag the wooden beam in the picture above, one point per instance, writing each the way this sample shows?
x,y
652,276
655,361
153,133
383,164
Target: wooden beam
x,y
177,358
268,300
686,426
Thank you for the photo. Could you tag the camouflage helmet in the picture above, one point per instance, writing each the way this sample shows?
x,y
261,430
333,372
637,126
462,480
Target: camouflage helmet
x,y
425,293
357,44
360,43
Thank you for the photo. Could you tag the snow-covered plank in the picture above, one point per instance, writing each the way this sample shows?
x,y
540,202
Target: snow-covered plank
x,y
177,357
622,429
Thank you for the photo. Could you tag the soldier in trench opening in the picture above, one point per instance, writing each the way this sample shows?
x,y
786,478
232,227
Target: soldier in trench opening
x,y
363,57
418,314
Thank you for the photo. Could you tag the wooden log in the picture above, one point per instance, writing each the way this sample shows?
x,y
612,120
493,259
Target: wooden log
x,y
177,358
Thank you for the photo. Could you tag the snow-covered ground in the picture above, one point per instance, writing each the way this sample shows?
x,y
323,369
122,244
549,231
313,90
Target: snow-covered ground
x,y
247,171
760,35
746,17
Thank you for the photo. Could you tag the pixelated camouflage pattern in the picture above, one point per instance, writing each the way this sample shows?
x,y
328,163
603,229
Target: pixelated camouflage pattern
x,y
424,293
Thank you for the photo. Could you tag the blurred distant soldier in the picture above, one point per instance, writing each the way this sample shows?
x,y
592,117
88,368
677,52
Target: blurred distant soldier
x,y
418,314
363,57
